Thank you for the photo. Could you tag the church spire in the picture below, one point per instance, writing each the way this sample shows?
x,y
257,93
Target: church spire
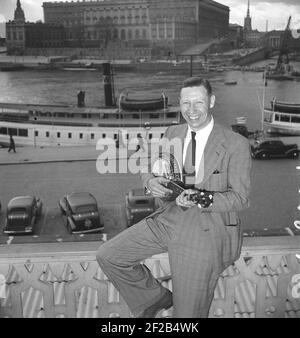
x,y
19,13
247,20
248,10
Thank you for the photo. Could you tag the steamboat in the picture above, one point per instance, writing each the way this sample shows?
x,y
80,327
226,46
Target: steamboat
x,y
282,118
67,125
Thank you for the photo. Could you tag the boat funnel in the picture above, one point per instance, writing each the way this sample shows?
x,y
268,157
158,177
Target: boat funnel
x,y
109,93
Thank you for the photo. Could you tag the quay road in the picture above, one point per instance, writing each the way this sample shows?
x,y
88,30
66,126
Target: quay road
x,y
50,173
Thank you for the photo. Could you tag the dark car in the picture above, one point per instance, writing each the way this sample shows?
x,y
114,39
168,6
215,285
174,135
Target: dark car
x,y
138,206
81,213
21,215
274,148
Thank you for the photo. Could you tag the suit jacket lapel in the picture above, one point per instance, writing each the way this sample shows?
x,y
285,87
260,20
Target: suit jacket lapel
x,y
181,135
213,151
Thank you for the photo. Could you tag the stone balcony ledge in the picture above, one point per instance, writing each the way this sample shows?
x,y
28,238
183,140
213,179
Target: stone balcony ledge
x,y
64,280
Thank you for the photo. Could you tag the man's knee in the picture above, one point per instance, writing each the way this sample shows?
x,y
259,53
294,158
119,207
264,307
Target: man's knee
x,y
103,255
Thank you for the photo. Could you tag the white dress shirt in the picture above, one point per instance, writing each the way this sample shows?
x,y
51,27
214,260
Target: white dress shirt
x,y
201,140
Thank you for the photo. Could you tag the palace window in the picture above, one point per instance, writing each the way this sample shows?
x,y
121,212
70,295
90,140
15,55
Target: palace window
x,y
80,135
36,133
161,31
92,136
47,134
116,35
169,31
69,135
153,32
123,34
58,134
137,34
129,34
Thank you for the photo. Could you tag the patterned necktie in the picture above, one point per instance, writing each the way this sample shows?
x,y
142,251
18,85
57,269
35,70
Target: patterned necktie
x,y
190,160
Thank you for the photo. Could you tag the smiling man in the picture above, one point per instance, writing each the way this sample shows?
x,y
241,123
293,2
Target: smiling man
x,y
196,102
201,239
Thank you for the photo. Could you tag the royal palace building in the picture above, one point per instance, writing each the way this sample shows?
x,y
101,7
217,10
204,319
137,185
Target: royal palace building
x,y
164,27
22,35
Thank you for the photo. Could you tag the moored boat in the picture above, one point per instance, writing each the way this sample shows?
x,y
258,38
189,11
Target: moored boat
x,y
63,125
287,76
9,67
67,125
286,107
281,123
127,103
231,82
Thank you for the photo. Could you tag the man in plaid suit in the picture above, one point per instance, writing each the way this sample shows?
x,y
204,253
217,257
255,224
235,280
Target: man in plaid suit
x,y
201,241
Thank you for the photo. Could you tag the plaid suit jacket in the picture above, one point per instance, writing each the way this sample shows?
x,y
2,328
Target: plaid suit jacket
x,y
227,167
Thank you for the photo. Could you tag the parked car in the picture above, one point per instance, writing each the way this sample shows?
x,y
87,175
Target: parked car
x,y
81,213
274,148
138,206
21,215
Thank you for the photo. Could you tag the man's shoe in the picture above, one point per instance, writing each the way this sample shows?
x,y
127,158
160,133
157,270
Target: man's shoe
x,y
164,303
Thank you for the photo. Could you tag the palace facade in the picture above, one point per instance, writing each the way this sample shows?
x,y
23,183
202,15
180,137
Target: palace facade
x,y
165,27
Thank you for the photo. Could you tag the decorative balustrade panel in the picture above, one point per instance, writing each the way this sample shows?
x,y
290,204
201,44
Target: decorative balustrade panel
x,y
59,282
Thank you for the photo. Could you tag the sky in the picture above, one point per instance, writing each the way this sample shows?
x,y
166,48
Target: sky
x,y
275,11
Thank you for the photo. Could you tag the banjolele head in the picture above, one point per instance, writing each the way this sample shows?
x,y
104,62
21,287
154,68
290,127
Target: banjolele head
x,y
167,166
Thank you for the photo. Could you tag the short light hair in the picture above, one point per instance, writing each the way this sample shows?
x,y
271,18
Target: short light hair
x,y
197,82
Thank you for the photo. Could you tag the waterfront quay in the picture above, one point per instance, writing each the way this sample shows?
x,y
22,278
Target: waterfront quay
x,y
52,172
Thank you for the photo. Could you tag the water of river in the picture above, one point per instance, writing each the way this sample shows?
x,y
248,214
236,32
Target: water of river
x,y
61,87
275,183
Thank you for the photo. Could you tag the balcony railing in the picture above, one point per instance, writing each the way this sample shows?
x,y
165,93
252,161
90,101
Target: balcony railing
x,y
64,280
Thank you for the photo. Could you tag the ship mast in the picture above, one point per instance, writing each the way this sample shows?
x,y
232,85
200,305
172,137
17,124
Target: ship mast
x,y
283,56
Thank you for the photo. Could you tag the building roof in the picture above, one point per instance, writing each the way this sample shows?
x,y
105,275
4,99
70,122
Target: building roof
x,y
200,48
